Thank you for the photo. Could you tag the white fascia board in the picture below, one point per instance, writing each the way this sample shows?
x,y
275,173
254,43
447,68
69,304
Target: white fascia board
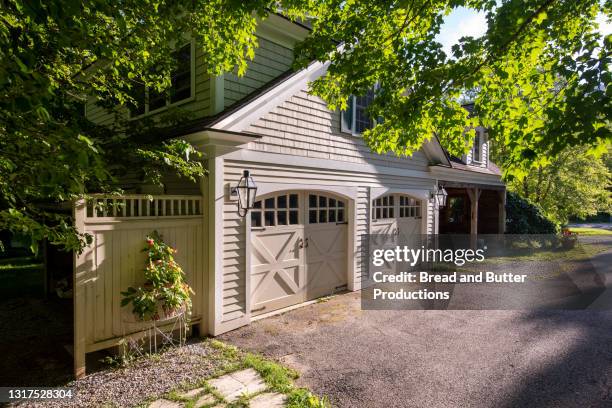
x,y
215,138
257,108
465,176
280,30
434,152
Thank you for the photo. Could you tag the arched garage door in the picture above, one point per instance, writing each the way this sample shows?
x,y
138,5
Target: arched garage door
x,y
299,244
396,220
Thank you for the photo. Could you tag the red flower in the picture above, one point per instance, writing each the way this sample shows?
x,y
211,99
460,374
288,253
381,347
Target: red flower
x,y
150,242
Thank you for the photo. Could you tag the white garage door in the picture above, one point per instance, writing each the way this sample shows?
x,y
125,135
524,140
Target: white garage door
x,y
298,249
395,220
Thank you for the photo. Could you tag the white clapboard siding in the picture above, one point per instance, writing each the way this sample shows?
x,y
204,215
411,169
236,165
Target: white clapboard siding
x,y
304,126
115,261
271,60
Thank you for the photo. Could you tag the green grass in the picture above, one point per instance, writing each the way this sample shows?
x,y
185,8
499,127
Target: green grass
x,y
590,231
228,358
278,377
22,276
579,252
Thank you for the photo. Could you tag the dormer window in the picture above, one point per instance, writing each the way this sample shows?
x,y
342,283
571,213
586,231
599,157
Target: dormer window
x,y
355,119
477,147
181,89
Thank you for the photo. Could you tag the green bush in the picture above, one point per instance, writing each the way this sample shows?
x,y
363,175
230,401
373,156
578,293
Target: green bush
x,y
524,217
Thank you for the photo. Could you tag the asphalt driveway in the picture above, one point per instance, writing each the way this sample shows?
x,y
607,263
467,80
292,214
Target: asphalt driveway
x,y
441,358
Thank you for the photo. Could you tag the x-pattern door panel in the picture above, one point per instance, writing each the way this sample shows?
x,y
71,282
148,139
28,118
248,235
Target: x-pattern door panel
x,y
277,269
326,259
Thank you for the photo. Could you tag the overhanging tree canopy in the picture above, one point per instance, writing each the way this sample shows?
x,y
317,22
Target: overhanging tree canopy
x,y
541,72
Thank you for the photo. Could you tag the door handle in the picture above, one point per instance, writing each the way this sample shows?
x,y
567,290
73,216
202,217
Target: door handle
x,y
300,243
306,242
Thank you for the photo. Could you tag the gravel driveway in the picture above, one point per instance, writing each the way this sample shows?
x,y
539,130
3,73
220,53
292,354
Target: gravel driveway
x,y
441,358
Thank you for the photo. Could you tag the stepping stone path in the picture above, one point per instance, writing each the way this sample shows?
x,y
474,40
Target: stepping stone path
x,y
231,387
268,400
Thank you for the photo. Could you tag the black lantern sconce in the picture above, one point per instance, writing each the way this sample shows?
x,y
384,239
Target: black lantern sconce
x,y
439,196
246,190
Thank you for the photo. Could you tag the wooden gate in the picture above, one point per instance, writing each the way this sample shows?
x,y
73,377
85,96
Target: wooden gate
x,y
114,261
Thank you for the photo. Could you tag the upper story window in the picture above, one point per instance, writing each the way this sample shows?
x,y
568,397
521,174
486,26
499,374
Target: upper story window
x,y
355,118
477,147
181,89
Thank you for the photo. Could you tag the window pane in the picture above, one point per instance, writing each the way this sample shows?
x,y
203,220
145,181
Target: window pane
x,y
332,215
181,77
385,213
385,200
340,203
401,212
269,217
391,200
362,120
156,100
322,215
312,216
378,202
340,215
293,200
255,219
418,211
322,201
391,212
312,201
257,204
377,213
138,93
332,202
282,217
281,201
347,116
293,217
269,202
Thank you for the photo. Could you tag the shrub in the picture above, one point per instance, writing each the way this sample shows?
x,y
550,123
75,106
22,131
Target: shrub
x,y
164,284
524,217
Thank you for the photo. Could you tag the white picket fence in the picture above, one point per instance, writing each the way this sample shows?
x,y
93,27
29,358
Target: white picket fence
x,y
114,261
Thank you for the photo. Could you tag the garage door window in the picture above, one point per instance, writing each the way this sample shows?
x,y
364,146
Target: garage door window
x,y
383,208
323,209
409,207
282,209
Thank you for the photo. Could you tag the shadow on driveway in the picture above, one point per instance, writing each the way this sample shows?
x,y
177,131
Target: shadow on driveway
x,y
457,358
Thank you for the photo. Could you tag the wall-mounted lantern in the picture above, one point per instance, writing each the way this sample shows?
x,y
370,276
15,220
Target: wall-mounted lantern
x,y
246,190
439,195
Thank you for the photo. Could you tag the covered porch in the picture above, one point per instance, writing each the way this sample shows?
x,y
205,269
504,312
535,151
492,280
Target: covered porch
x,y
473,209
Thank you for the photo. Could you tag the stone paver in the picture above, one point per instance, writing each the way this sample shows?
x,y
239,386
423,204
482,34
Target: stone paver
x,y
164,403
232,386
204,400
192,393
268,400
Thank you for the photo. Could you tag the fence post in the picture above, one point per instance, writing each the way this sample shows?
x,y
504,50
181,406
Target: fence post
x,y
78,285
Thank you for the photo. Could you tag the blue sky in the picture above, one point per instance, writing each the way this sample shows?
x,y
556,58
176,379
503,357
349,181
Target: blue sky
x,y
464,22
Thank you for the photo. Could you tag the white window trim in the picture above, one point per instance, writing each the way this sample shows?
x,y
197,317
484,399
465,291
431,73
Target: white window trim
x,y
353,101
168,103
